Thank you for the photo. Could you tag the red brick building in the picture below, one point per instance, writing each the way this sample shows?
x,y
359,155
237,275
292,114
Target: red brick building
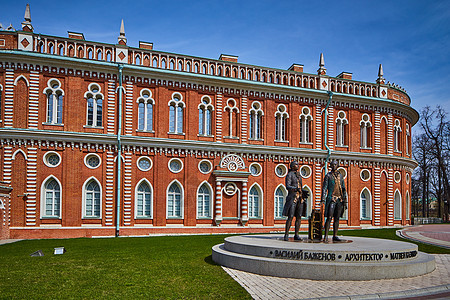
x,y
204,143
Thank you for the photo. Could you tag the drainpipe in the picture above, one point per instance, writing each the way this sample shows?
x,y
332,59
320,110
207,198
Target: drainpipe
x,y
330,94
119,151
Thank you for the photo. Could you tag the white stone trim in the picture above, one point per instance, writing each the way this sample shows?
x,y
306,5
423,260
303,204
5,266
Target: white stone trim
x,y
151,199
44,158
175,159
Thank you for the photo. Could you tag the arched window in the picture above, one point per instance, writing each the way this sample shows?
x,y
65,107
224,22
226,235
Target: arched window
x,y
341,130
242,74
55,97
254,203
145,110
52,194
365,205
281,117
205,109
94,106
227,72
397,206
211,70
176,107
366,134
232,117
163,63
80,52
407,206
256,76
256,116
99,54
305,125
108,56
92,199
205,69
264,78
71,51
155,63
249,75
280,199
188,66
271,78
407,137
196,70
41,47
204,201
61,50
219,71
278,80
180,65
174,201
90,54
144,200
50,48
235,73
172,64
397,130
137,60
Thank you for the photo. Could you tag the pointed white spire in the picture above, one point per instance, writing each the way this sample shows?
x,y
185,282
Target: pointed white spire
x,y
122,29
321,61
380,71
27,16
122,40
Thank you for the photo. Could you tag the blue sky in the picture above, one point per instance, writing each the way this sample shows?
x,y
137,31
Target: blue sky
x,y
410,38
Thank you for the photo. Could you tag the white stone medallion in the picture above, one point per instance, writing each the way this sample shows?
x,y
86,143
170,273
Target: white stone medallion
x,y
358,259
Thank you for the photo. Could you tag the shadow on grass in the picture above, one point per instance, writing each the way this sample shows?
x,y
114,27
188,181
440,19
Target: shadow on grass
x,y
209,260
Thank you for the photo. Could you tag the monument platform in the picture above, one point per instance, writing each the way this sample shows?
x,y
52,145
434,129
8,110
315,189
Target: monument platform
x,y
355,258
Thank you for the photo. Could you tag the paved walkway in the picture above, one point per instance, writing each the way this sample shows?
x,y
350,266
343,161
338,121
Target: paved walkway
x,y
268,287
435,234
8,241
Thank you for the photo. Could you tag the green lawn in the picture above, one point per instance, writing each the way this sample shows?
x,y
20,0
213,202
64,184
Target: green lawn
x,y
127,268
116,268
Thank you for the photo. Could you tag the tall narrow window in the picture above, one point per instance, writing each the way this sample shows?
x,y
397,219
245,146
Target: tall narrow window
x,y
176,106
365,126
144,200
145,110
52,194
254,203
280,196
397,130
341,124
204,202
92,199
397,206
205,109
407,137
256,116
305,125
365,201
281,117
94,106
174,199
233,112
55,97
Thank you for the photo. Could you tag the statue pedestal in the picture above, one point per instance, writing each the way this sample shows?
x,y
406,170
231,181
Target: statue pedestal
x,y
354,259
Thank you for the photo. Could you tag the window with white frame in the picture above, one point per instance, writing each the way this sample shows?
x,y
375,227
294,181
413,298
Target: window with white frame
x,y
280,198
341,124
55,96
94,105
397,130
305,125
365,201
176,109
397,206
174,201
365,126
92,199
407,139
254,203
233,112
204,201
281,117
144,200
145,110
407,208
205,109
52,198
256,115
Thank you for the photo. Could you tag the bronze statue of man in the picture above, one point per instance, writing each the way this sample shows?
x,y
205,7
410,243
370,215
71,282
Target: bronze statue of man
x,y
294,206
335,198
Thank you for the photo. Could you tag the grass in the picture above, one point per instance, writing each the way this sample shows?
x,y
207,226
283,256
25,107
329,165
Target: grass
x,y
116,268
170,267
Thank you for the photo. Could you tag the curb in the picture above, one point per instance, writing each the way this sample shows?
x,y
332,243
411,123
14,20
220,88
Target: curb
x,y
436,290
400,234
